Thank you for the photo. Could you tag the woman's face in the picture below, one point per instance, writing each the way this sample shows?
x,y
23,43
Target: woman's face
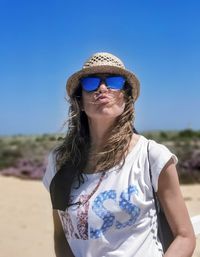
x,y
104,103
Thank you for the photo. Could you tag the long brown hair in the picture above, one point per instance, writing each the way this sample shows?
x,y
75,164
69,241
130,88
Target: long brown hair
x,y
76,144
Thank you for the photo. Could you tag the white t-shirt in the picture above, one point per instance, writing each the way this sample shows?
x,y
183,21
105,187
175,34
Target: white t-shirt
x,y
119,219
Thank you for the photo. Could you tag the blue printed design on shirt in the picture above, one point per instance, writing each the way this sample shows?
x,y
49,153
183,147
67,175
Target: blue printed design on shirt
x,y
107,217
130,208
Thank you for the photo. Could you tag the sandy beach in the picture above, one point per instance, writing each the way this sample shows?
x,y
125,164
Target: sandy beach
x,y
26,219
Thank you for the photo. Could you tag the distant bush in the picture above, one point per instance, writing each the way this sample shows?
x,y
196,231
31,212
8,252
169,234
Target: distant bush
x,y
8,157
183,135
188,133
52,138
33,149
45,137
164,135
192,178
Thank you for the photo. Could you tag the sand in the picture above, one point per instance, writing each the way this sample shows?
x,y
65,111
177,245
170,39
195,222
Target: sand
x,y
26,228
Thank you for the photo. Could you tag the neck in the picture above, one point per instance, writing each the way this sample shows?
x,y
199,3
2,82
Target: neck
x,y
99,131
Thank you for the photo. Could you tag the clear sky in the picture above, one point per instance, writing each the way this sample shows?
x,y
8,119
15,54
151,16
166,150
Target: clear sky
x,y
43,42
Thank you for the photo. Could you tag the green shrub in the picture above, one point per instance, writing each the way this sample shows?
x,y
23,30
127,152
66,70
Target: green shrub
x,y
188,133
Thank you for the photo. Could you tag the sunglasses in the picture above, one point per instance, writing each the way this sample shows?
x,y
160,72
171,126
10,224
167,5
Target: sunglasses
x,y
92,83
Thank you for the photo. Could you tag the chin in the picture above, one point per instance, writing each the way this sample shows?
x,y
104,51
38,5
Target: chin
x,y
104,111
107,113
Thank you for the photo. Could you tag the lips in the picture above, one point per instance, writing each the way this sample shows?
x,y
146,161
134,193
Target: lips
x,y
102,99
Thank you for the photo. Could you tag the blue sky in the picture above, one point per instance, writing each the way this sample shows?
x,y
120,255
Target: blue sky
x,y
43,42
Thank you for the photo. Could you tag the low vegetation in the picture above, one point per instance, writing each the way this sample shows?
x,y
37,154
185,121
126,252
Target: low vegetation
x,y
22,155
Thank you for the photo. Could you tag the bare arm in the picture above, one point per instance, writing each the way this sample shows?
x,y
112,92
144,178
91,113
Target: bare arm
x,y
173,204
61,245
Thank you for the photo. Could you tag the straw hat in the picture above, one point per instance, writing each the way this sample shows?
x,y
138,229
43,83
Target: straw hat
x,y
103,63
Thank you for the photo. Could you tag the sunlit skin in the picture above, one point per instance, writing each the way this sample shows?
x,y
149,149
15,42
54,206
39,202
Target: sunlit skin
x,y
102,107
103,103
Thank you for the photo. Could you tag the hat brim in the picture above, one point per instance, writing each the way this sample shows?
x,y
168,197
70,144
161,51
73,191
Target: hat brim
x,y
73,80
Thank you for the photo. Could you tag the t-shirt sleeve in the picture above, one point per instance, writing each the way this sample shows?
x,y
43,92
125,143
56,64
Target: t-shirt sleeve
x,y
50,170
159,155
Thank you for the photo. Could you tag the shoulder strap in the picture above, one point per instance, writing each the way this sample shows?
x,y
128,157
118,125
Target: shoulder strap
x,y
150,175
157,206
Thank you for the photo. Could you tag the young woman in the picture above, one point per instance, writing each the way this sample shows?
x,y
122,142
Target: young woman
x,y
99,180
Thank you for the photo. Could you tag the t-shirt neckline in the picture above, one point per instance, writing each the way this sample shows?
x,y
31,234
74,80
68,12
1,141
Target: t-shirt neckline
x,y
129,155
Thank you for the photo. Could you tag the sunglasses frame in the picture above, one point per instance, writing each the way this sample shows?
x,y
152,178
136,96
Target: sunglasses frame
x,y
102,77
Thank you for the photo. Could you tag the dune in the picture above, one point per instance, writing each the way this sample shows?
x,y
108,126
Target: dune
x,y
26,218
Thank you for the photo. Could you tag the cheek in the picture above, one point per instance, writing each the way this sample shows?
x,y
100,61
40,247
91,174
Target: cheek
x,y
120,99
86,102
117,104
120,107
120,103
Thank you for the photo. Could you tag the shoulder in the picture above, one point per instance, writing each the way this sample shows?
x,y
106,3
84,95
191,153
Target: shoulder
x,y
159,152
158,157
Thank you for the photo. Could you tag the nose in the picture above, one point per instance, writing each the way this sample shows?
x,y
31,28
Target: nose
x,y
102,88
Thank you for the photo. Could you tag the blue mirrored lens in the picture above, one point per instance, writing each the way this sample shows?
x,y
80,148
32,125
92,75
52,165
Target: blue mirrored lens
x,y
90,83
116,82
